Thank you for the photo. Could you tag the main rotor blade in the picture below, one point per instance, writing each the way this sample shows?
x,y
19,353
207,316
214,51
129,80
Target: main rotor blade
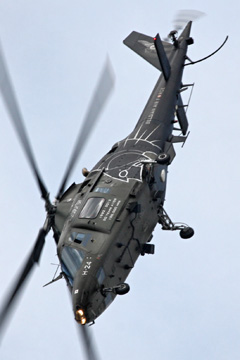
x,y
88,343
31,261
100,96
16,117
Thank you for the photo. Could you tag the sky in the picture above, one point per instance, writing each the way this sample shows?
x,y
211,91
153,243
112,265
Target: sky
x,y
184,301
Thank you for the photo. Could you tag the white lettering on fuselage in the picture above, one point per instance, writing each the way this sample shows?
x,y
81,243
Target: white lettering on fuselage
x,y
109,210
155,104
75,209
87,266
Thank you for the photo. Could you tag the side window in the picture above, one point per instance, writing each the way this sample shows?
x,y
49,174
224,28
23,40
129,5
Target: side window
x,y
100,276
80,238
104,190
91,208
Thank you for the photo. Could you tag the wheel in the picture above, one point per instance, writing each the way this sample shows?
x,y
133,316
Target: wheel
x,y
186,233
122,289
163,159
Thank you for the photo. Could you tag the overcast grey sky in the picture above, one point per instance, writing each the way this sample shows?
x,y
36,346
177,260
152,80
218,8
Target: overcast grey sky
x,y
184,301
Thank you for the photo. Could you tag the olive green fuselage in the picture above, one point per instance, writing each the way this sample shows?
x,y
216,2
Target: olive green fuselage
x,y
105,222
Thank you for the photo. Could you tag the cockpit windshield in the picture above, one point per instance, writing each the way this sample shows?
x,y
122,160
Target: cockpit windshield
x,y
72,259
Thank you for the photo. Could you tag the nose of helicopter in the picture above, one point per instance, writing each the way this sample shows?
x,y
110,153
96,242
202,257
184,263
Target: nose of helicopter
x,y
80,316
80,302
83,288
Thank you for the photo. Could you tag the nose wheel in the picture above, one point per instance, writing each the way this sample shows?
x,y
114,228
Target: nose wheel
x,y
185,231
120,289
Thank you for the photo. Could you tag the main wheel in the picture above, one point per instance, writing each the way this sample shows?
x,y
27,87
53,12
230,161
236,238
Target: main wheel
x,y
122,289
163,159
186,233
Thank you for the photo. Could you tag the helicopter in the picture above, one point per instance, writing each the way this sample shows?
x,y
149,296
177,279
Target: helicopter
x,y
102,225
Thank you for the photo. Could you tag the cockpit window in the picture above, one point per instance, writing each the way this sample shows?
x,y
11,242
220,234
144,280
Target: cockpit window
x,y
72,259
91,208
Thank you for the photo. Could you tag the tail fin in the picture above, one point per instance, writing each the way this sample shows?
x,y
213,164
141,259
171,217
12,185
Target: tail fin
x,y
144,46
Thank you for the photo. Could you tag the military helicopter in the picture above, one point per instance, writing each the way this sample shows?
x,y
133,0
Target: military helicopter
x,y
102,225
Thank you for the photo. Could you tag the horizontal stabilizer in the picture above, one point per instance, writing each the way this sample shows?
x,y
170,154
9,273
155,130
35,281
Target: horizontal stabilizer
x,y
181,115
166,69
144,46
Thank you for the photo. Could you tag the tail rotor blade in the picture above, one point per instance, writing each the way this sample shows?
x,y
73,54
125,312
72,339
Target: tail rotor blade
x,y
28,266
100,96
184,16
16,117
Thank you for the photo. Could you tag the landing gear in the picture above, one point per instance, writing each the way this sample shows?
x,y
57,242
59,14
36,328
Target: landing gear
x,y
186,232
120,289
163,159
